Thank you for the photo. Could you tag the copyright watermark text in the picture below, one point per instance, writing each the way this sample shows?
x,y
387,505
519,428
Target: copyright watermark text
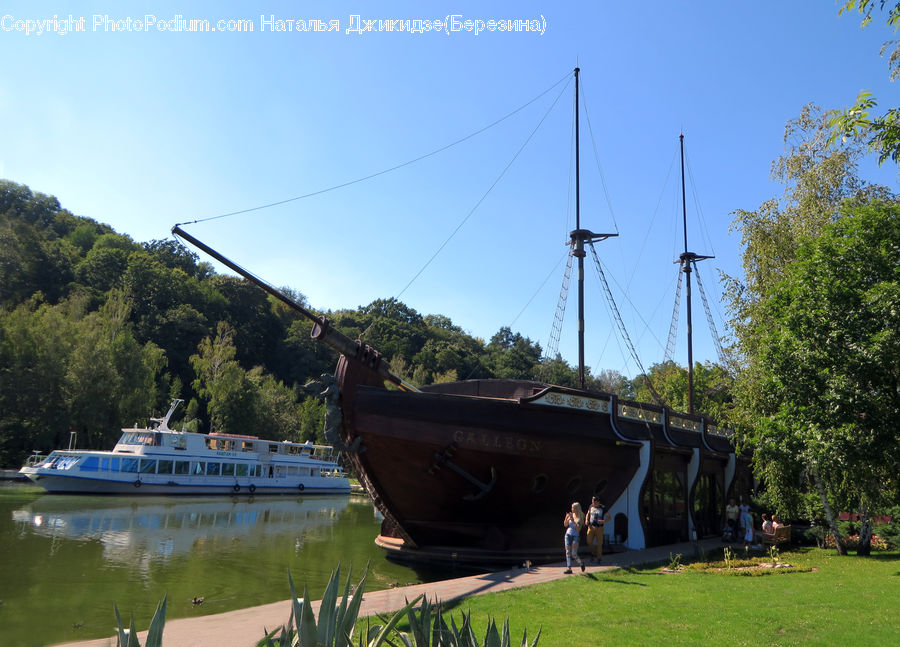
x,y
354,24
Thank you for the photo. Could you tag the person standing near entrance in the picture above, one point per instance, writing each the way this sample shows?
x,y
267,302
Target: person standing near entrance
x,y
732,514
573,523
597,516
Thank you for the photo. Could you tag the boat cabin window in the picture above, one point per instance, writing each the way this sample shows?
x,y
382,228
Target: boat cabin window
x,y
66,462
148,466
240,469
140,438
212,469
90,464
227,469
182,467
199,467
246,446
129,465
219,444
273,448
164,467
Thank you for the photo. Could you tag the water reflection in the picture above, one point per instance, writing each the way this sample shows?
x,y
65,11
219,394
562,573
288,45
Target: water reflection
x,y
66,559
135,533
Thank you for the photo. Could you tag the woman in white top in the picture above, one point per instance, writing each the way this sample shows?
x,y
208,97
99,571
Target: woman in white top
x,y
573,523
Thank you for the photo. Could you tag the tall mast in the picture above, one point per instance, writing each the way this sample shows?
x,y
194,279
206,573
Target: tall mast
x,y
578,237
581,248
687,260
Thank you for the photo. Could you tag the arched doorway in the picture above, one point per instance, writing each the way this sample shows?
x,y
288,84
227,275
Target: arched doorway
x,y
708,506
663,501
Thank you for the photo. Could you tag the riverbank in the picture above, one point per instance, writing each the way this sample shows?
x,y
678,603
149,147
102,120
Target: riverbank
x,y
245,627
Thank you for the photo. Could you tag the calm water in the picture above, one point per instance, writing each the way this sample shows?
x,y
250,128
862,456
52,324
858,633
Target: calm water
x,y
64,560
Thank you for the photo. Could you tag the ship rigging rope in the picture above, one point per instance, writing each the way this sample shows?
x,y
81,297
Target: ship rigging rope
x,y
474,208
556,330
709,318
485,195
597,161
566,79
621,324
703,228
673,327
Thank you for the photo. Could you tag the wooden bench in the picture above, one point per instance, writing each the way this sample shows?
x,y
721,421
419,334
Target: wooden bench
x,y
782,536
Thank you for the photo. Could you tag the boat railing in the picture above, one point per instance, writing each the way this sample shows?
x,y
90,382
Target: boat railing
x,y
35,459
685,424
637,412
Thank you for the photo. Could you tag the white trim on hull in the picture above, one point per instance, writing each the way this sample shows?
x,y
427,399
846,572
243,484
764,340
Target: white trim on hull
x,y
84,485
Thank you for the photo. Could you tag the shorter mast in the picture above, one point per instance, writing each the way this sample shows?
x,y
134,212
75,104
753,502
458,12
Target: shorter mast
x,y
687,260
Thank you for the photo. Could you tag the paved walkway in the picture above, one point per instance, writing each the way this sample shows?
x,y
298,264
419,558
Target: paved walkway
x,y
244,628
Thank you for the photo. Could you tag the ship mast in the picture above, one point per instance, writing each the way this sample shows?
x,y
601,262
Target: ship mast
x,y
578,237
687,260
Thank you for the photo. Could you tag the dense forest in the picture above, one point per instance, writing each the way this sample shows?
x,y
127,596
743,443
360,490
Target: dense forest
x,y
99,332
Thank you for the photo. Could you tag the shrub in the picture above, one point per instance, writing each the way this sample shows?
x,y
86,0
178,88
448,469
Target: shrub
x,y
852,542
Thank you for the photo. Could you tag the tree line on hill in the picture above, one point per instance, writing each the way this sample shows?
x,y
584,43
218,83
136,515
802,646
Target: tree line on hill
x,y
98,332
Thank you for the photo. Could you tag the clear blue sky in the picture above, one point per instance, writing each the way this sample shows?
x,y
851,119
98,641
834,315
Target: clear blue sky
x,y
144,129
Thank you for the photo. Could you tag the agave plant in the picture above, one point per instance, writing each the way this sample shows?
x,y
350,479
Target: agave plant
x,y
337,620
128,637
427,628
334,627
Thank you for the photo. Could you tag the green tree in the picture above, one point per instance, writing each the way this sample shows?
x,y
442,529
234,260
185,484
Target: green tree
x,y
35,344
63,367
392,327
229,393
830,394
558,371
249,313
110,378
312,421
818,179
880,133
612,381
512,356
279,415
712,388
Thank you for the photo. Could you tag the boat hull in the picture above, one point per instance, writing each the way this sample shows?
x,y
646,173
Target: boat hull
x,y
468,476
80,484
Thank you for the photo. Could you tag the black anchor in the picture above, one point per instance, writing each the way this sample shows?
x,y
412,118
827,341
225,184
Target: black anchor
x,y
443,457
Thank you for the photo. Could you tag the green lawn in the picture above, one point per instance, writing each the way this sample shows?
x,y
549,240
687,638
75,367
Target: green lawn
x,y
844,601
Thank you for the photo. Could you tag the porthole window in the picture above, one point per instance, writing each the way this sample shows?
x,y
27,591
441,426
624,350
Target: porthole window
x,y
539,483
573,485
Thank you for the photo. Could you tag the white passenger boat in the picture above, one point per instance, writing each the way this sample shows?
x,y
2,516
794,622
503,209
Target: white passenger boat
x,y
161,460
